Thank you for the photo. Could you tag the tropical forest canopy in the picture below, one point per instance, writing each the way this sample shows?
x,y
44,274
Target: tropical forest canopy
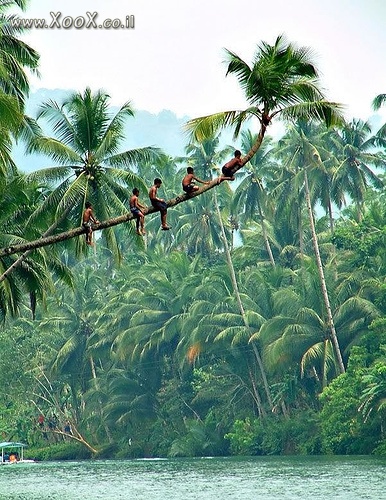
x,y
256,325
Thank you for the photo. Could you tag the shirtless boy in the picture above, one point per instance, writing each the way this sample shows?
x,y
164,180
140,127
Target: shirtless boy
x,y
135,209
227,169
188,181
159,203
88,220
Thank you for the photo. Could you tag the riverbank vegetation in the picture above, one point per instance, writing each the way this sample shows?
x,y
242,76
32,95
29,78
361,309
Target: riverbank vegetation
x,y
255,326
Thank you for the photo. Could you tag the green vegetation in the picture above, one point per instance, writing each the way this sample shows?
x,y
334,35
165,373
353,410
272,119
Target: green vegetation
x,y
256,326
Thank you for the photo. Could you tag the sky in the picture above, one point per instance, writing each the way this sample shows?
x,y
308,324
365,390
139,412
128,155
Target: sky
x,y
173,57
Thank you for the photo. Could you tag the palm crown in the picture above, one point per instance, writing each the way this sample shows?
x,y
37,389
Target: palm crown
x,y
282,80
86,142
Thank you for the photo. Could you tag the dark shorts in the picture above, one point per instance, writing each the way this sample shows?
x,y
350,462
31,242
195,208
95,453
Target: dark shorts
x,y
227,172
189,188
160,205
135,211
87,224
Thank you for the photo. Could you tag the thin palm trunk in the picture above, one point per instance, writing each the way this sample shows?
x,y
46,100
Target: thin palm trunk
x,y
255,147
331,325
301,230
257,397
240,304
265,235
96,382
330,216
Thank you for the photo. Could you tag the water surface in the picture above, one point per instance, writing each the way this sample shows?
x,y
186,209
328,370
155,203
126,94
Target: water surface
x,y
246,478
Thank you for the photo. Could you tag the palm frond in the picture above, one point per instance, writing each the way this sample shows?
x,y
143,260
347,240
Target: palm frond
x,y
134,157
54,149
204,127
378,101
325,111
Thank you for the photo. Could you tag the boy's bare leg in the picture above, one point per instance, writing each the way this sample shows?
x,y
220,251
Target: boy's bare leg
x,y
163,221
143,225
89,237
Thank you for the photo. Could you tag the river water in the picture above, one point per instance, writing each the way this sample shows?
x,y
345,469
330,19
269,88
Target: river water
x,y
246,478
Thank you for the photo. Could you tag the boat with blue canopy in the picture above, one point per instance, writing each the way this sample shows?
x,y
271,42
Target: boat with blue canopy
x,y
12,452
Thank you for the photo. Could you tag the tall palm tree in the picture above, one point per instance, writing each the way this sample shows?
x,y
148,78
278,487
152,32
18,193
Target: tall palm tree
x,y
304,155
16,59
355,156
297,337
205,155
241,307
86,146
281,82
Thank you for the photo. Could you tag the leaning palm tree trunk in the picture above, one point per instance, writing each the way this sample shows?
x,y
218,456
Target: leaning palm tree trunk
x,y
333,335
47,240
242,310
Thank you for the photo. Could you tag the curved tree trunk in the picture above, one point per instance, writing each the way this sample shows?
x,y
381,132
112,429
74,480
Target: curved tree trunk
x,y
52,239
255,147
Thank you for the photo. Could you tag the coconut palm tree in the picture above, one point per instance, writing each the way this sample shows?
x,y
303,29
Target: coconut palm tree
x,y
18,200
282,82
86,146
297,336
354,158
218,331
15,58
304,155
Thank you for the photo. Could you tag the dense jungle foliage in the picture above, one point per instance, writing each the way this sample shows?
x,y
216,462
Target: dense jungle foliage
x,y
256,325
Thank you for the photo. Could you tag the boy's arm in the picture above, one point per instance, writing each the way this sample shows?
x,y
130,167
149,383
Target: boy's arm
x,y
93,218
200,180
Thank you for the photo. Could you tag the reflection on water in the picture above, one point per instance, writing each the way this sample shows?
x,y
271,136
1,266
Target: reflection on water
x,y
268,478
